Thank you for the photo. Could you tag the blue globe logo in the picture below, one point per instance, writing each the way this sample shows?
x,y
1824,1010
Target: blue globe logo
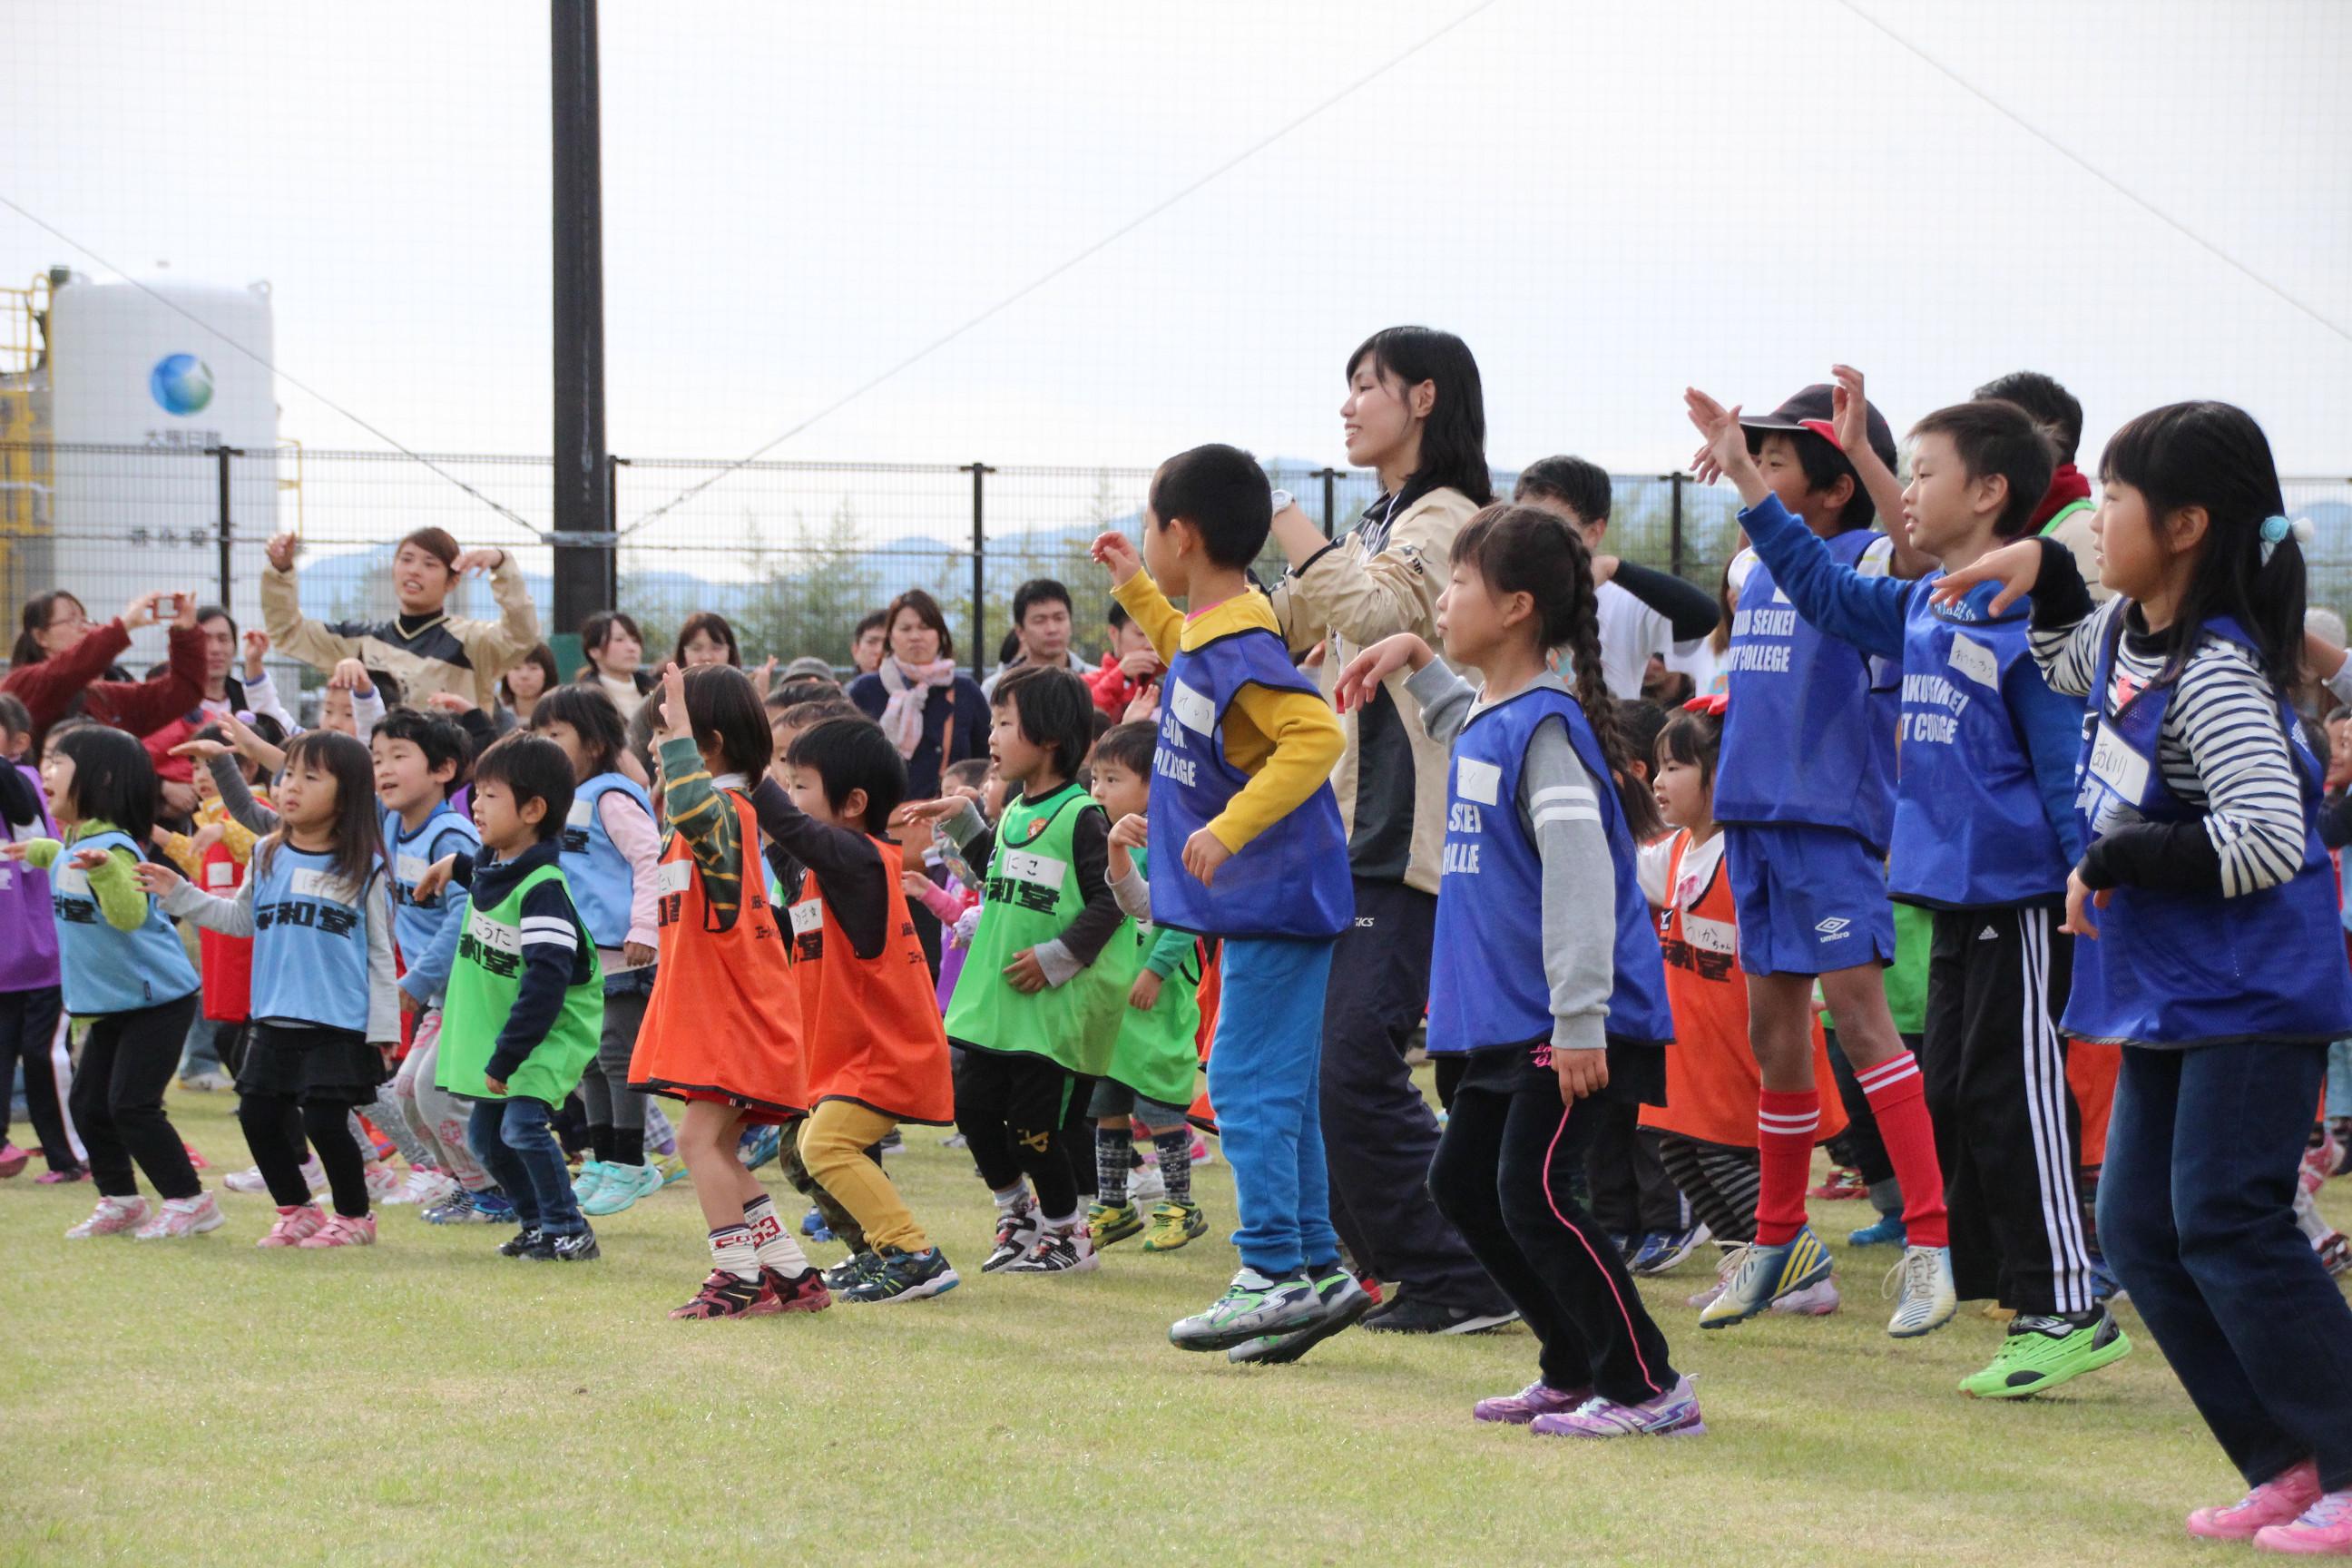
x,y
180,383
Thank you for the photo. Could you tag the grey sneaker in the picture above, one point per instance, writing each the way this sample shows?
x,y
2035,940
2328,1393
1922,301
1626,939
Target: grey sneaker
x,y
1344,1301
1253,1305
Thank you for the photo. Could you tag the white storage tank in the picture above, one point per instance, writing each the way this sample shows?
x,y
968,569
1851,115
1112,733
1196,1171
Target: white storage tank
x,y
144,379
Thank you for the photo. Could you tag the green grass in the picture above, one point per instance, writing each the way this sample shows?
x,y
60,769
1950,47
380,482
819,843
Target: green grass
x,y
424,1402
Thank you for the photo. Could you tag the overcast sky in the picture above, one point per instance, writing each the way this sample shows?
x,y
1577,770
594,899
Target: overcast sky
x,y
1607,200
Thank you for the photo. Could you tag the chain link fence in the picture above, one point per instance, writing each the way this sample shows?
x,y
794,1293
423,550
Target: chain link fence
x,y
794,554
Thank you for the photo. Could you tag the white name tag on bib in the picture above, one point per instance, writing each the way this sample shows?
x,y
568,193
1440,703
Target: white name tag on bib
x,y
1477,781
321,885
219,874
674,876
1193,708
578,813
492,935
1977,662
68,879
1035,869
807,916
2118,766
409,868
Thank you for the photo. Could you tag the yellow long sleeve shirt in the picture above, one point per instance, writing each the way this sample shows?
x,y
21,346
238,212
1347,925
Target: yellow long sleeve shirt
x,y
1287,741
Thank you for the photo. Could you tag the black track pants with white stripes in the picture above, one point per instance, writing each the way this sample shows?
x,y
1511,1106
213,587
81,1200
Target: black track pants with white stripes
x,y
2007,1130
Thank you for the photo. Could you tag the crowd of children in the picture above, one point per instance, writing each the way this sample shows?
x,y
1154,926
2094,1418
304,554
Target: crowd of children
x,y
1980,879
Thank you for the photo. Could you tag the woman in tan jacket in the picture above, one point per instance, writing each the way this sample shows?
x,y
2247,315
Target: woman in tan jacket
x,y
1415,414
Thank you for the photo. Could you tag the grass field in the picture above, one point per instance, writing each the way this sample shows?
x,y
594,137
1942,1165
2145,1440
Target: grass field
x,y
424,1402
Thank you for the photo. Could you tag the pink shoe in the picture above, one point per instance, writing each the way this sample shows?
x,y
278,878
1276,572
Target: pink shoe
x,y
194,1159
1815,1300
2276,1501
295,1225
343,1230
181,1217
382,1181
1538,1398
113,1216
61,1178
11,1160
2319,1163
2324,1529
1674,1413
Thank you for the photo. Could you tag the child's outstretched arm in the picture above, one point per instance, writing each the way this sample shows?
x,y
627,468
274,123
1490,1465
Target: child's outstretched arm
x,y
1136,594
848,867
1849,418
1868,612
183,899
2067,627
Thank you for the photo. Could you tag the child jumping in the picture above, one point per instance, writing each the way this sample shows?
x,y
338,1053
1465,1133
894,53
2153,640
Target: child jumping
x,y
1246,845
325,1001
1551,1015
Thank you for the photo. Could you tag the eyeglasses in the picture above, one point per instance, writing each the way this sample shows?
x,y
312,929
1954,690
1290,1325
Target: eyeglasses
x,y
69,618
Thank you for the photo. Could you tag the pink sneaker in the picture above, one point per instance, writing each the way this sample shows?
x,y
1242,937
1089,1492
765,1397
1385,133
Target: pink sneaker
x,y
382,1181
1815,1300
61,1178
11,1160
1674,1413
194,1159
2324,1529
181,1217
343,1230
113,1216
1538,1398
294,1227
2276,1501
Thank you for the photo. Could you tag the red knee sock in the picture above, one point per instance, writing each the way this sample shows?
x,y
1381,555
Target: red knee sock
x,y
1786,1125
1899,1101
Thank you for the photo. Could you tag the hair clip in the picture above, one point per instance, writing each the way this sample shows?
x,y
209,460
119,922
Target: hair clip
x,y
1712,705
2277,528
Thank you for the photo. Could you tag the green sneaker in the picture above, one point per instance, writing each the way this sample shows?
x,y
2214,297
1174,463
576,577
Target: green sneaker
x,y
2040,1354
1252,1305
622,1185
591,1177
1107,1223
1174,1224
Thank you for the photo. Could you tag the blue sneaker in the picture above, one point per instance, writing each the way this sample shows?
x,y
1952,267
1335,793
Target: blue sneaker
x,y
813,1222
1662,1250
1889,1232
759,1146
1764,1273
2105,1289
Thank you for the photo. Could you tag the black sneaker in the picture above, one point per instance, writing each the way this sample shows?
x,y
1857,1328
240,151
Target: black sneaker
x,y
895,1276
1410,1315
521,1243
848,1272
1059,1250
576,1249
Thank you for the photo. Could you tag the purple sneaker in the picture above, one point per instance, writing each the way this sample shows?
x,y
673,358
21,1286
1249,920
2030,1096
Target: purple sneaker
x,y
1538,1398
1674,1413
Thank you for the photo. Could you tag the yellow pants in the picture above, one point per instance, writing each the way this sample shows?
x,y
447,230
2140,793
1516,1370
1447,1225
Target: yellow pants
x,y
833,1146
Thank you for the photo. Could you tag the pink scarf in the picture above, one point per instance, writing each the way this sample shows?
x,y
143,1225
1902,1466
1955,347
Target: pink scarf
x,y
902,716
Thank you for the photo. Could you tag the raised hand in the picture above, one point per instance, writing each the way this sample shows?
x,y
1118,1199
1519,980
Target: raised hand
x,y
483,560
257,644
1849,411
762,675
203,751
1116,552
140,611
1724,452
1360,680
185,601
451,702
2016,567
350,675
280,551
672,713
1145,708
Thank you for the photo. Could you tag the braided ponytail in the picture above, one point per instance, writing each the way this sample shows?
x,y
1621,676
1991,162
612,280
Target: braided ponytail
x,y
1524,549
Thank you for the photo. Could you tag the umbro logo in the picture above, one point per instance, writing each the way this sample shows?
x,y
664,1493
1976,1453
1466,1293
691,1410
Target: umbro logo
x,y
1832,929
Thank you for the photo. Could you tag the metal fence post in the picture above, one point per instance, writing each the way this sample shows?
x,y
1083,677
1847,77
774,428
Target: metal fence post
x,y
223,457
1675,533
979,472
1330,478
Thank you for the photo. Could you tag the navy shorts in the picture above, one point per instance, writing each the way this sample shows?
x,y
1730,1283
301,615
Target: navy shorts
x,y
1810,900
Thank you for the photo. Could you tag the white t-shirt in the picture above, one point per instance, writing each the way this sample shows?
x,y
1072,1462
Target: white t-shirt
x,y
1631,634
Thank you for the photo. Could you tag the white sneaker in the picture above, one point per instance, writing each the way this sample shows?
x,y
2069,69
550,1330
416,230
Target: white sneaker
x,y
1927,1296
113,1216
314,1175
1815,1300
248,1180
1145,1185
181,1218
423,1188
382,1181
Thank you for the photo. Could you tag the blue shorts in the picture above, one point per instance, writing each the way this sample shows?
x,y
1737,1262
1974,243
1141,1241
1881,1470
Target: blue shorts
x,y
1810,901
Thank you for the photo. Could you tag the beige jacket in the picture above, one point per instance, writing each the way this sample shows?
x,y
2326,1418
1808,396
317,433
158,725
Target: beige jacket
x,y
1355,597
452,655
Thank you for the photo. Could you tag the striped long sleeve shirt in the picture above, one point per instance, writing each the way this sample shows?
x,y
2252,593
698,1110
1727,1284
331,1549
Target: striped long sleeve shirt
x,y
2222,747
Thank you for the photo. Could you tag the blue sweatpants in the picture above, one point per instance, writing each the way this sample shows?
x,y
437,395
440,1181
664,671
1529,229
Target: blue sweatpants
x,y
1262,1073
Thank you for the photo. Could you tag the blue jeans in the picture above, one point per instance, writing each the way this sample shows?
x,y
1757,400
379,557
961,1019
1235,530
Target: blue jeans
x,y
1262,1074
202,1053
515,1140
2196,1215
2340,1078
